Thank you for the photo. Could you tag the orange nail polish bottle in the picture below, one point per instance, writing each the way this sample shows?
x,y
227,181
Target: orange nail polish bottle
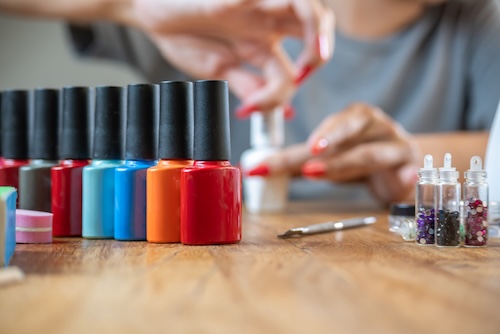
x,y
175,151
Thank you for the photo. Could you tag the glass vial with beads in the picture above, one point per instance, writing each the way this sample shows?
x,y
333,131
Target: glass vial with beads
x,y
476,205
424,203
448,197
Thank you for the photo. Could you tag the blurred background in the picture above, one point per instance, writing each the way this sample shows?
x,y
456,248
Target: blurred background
x,y
35,53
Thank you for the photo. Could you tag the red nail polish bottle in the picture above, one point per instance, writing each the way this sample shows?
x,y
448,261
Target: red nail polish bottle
x,y
211,188
74,150
14,135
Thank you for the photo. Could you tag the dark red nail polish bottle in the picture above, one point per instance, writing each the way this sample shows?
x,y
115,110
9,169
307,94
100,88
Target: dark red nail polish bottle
x,y
211,188
74,152
14,136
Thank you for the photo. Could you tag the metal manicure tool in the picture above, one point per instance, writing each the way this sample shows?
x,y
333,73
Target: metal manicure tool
x,y
327,227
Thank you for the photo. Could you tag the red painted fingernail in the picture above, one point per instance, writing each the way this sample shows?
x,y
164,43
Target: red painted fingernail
x,y
245,111
314,169
303,74
289,112
323,47
320,146
260,170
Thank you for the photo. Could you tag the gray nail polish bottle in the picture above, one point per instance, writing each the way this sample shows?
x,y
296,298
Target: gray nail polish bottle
x,y
35,179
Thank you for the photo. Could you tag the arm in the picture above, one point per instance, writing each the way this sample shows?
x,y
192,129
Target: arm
x,y
362,143
210,39
119,11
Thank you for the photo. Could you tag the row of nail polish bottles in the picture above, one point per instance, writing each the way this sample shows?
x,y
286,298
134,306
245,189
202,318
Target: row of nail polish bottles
x,y
159,201
112,188
438,201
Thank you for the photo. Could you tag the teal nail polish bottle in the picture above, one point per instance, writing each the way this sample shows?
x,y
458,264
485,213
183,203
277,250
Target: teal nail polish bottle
x,y
98,208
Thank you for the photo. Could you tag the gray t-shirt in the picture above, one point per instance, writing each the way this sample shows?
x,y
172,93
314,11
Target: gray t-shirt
x,y
440,73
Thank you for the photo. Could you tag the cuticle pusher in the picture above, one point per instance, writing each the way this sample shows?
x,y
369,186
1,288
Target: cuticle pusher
x,y
327,227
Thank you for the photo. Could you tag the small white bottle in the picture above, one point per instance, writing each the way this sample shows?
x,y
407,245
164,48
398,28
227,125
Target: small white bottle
x,y
264,194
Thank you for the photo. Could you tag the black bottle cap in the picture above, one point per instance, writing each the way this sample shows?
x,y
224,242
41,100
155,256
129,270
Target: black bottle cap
x,y
46,118
142,123
211,121
402,209
14,124
176,120
109,130
75,139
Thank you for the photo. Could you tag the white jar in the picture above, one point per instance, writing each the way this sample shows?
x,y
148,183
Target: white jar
x,y
264,193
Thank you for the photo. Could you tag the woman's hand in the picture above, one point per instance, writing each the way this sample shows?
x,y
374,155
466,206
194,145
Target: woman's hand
x,y
222,39
360,143
217,39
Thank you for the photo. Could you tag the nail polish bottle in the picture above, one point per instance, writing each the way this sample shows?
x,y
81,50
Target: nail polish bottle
x,y
1,126
8,196
447,206
425,211
74,152
140,154
175,149
35,183
264,194
14,133
98,192
476,204
211,188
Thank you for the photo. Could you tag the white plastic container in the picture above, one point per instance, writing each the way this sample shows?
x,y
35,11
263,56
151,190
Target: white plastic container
x,y
264,194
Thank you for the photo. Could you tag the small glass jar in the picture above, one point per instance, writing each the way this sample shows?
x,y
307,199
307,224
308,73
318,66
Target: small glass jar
x,y
447,204
476,205
408,229
398,213
425,210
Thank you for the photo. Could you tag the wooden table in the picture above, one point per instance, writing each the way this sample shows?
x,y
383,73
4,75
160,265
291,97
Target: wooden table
x,y
364,280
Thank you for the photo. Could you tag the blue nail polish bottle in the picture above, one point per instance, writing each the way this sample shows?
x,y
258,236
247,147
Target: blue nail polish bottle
x,y
140,154
98,205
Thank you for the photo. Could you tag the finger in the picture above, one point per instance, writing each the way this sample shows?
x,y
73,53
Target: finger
x,y
278,87
360,161
243,82
318,25
339,128
316,22
396,184
288,161
208,57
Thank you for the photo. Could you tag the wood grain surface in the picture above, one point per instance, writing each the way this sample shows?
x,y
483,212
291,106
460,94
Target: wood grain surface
x,y
364,280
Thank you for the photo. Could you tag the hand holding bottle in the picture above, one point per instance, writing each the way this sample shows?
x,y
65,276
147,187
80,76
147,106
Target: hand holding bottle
x,y
360,143
221,39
